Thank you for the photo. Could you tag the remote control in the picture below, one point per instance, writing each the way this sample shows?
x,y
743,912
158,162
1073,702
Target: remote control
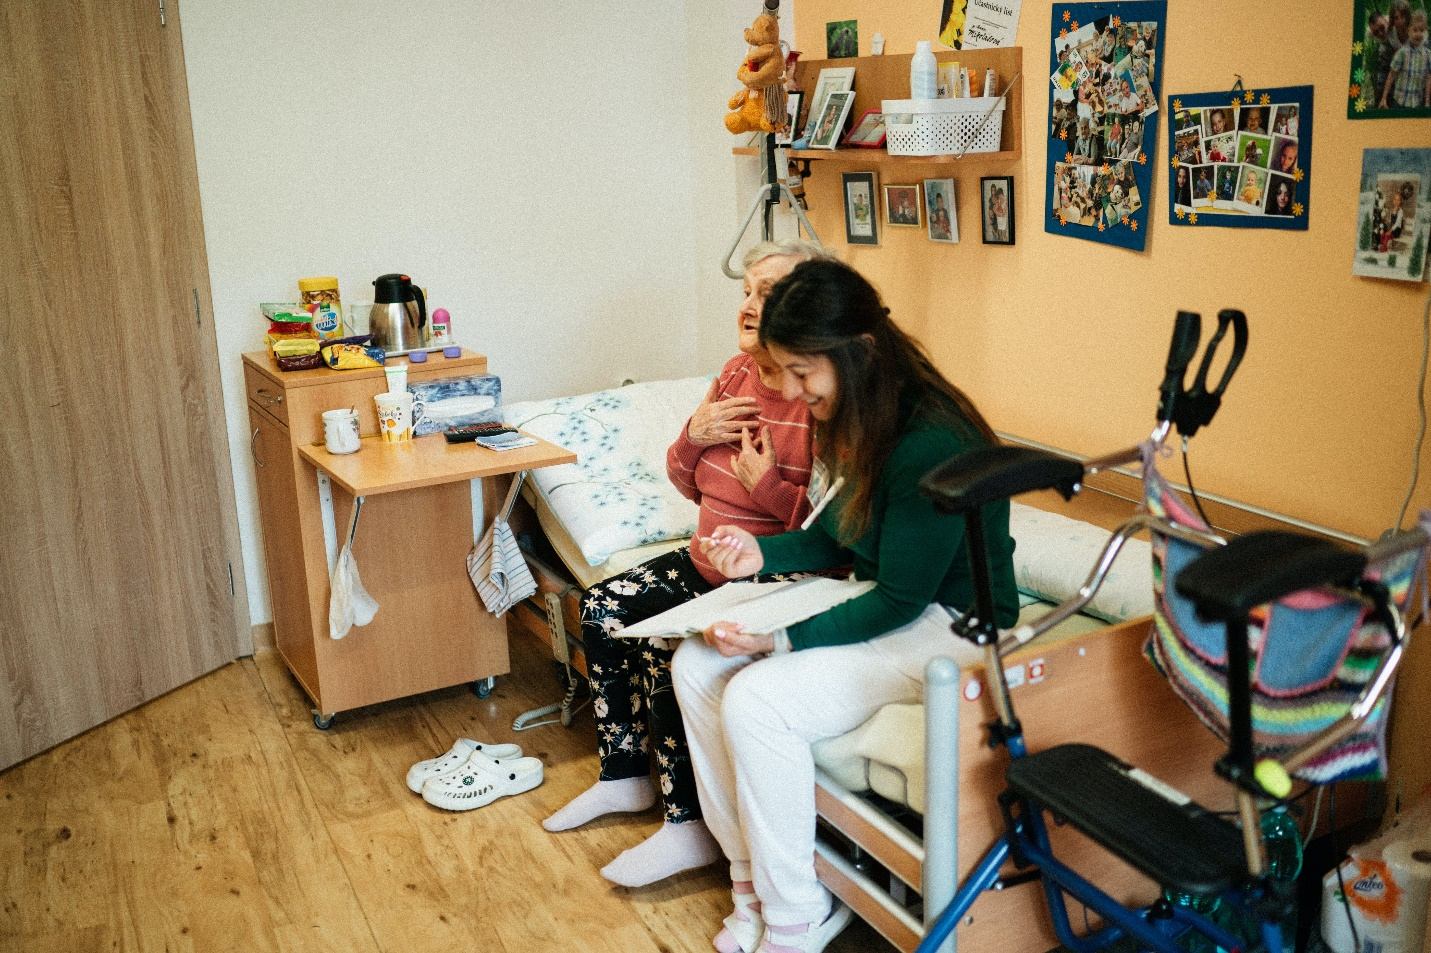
x,y
468,432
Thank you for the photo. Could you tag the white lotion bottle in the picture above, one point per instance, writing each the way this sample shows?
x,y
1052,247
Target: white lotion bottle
x,y
923,73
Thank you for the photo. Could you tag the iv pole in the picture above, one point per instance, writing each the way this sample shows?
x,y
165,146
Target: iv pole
x,y
769,195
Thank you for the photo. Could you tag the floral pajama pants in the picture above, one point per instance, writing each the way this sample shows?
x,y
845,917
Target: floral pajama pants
x,y
637,719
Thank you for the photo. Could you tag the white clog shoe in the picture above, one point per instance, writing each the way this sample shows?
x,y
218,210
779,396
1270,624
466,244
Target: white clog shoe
x,y
480,782
458,755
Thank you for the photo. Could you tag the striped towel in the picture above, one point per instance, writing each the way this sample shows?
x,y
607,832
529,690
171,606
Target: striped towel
x,y
496,565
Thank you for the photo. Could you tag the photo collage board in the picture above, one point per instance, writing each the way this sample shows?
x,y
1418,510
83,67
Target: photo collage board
x,y
1106,61
1241,159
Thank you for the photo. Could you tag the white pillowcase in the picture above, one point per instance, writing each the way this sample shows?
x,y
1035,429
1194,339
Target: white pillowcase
x,y
1054,555
616,495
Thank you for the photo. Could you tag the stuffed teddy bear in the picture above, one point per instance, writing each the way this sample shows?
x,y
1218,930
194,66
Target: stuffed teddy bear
x,y
761,73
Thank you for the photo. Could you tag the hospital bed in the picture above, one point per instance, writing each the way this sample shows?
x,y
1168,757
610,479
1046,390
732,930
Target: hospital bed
x,y
582,523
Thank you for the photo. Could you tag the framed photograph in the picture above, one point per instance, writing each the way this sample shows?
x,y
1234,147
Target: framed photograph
x,y
902,206
792,119
831,120
996,209
1380,86
940,212
860,227
842,39
1393,228
832,79
868,132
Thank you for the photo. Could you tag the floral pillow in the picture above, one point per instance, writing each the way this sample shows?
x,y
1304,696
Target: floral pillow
x,y
616,495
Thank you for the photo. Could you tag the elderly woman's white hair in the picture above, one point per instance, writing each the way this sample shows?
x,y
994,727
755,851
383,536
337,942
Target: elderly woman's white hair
x,y
794,247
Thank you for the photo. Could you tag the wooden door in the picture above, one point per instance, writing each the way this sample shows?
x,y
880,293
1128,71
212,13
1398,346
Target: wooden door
x,y
119,560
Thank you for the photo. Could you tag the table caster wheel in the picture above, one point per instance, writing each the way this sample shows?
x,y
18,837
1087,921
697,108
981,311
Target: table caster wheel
x,y
483,686
321,721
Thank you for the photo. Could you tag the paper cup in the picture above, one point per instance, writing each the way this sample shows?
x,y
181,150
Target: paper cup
x,y
340,431
394,416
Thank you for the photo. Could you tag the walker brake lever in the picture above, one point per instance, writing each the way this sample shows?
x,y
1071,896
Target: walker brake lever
x,y
1199,405
1187,330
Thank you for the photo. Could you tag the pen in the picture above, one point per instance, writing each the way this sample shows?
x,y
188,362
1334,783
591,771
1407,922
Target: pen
x,y
825,499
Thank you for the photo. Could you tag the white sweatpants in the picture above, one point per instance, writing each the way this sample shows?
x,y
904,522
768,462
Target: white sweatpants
x,y
750,724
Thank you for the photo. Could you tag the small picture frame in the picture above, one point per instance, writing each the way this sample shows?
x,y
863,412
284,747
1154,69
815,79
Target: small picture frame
x,y
832,79
996,209
792,119
831,120
940,212
861,206
902,206
868,131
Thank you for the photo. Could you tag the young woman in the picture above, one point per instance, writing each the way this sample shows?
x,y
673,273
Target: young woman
x,y
744,456
754,703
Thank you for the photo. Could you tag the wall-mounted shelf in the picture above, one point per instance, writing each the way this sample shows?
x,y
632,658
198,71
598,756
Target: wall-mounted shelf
x,y
878,78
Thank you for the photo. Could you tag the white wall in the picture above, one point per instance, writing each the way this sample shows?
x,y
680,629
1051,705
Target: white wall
x,y
555,174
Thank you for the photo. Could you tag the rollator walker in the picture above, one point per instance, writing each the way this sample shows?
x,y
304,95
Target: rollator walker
x,y
1331,605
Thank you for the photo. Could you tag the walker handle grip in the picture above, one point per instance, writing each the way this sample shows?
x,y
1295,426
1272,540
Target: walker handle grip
x,y
1187,331
1201,404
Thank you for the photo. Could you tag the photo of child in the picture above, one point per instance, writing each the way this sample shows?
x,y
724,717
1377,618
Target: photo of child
x,y
1393,215
1253,149
1250,189
1408,84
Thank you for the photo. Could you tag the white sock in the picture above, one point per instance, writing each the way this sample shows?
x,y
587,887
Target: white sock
x,y
672,849
604,797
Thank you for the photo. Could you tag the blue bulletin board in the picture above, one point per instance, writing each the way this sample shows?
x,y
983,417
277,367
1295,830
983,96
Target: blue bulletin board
x,y
1107,62
1241,159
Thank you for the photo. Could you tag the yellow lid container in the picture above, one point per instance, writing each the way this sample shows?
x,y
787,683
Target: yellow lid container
x,y
323,292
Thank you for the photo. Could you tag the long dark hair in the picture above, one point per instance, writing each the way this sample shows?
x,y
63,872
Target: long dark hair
x,y
884,376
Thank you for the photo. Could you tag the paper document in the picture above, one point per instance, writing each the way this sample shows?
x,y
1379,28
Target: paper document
x,y
758,606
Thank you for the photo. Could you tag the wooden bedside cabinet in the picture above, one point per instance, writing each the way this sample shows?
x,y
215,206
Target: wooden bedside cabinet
x,y
431,630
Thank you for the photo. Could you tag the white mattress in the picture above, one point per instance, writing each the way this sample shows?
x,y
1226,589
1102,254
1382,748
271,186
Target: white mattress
x,y
615,509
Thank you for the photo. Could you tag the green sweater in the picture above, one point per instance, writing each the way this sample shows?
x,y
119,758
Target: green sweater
x,y
915,554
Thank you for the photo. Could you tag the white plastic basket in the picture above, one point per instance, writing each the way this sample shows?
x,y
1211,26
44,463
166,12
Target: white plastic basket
x,y
943,126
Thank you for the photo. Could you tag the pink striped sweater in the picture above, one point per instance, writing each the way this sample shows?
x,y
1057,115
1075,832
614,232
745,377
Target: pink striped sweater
x,y
707,475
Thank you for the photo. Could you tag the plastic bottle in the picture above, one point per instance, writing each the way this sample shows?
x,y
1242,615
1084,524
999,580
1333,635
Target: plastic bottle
x,y
923,73
1282,842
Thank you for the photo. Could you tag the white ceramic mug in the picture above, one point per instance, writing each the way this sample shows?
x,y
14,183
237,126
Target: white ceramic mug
x,y
340,431
394,416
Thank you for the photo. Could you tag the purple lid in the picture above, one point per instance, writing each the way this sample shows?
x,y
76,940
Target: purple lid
x,y
452,350
417,357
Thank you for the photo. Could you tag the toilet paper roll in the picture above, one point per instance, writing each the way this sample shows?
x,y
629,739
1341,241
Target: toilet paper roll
x,y
1409,862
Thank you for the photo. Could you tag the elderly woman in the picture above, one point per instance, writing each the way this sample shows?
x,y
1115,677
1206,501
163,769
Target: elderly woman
x,y
745,457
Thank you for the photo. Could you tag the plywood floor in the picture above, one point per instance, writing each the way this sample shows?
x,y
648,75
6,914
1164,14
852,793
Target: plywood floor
x,y
217,818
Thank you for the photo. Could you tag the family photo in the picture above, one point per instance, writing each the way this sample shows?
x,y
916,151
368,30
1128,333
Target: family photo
x,y
997,209
940,211
1390,61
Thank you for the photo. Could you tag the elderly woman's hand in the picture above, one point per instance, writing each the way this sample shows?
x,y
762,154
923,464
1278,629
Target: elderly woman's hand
x,y
721,421
756,458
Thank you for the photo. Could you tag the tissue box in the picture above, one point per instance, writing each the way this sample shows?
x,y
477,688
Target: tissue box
x,y
454,402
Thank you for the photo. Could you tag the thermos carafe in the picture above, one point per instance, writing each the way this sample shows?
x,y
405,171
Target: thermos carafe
x,y
399,318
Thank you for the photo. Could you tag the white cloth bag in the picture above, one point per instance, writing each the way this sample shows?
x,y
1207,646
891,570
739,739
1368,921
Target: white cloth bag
x,y
348,603
496,565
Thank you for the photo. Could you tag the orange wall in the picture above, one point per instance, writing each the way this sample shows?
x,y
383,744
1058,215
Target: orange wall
x,y
1062,340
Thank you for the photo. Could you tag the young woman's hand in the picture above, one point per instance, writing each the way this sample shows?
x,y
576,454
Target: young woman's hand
x,y
730,639
756,458
732,551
